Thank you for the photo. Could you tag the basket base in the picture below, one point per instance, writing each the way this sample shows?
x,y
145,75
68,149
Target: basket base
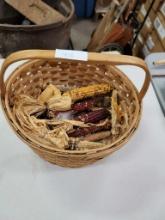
x,y
74,161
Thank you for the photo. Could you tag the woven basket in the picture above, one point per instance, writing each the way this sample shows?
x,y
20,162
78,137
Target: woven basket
x,y
43,68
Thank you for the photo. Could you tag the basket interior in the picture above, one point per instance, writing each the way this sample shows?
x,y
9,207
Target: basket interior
x,y
33,77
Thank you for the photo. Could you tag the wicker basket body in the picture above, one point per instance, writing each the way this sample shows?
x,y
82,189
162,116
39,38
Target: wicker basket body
x,y
33,76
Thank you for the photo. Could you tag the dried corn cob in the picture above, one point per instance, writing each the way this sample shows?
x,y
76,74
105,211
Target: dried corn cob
x,y
89,103
82,145
79,132
98,136
88,91
83,105
72,144
94,116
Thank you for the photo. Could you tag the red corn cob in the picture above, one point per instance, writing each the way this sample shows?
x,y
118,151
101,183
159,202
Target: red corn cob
x,y
89,103
83,105
89,130
93,117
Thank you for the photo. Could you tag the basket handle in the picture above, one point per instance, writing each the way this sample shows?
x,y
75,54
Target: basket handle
x,y
112,59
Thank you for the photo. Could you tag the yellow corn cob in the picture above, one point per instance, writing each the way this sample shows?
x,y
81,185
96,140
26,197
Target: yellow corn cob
x,y
88,91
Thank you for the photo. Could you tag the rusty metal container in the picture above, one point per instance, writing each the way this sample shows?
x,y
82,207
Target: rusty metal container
x,y
15,37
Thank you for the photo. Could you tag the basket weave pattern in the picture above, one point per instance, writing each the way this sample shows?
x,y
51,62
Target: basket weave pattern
x,y
32,78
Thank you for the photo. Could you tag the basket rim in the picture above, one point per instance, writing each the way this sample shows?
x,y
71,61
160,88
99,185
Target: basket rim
x,y
30,141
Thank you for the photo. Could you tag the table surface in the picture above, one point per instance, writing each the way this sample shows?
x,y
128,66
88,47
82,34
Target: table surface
x,y
128,185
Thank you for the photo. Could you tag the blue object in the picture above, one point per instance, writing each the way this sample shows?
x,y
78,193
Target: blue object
x,y
84,8
80,7
90,4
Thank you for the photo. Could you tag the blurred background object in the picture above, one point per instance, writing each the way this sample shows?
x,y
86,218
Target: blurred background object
x,y
21,35
133,27
84,8
8,14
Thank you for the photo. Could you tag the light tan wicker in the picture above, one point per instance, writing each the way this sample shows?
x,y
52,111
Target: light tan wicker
x,y
33,76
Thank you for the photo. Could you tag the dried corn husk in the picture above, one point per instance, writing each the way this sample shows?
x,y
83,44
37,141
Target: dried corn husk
x,y
54,131
29,104
59,138
49,92
98,136
62,103
82,145
114,109
38,128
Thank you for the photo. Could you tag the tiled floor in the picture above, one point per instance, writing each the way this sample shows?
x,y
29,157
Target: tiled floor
x,y
81,32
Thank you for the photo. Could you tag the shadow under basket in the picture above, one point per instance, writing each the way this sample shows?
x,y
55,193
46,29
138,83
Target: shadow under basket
x,y
44,68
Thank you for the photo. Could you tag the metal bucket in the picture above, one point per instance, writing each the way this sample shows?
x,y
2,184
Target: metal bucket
x,y
56,35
